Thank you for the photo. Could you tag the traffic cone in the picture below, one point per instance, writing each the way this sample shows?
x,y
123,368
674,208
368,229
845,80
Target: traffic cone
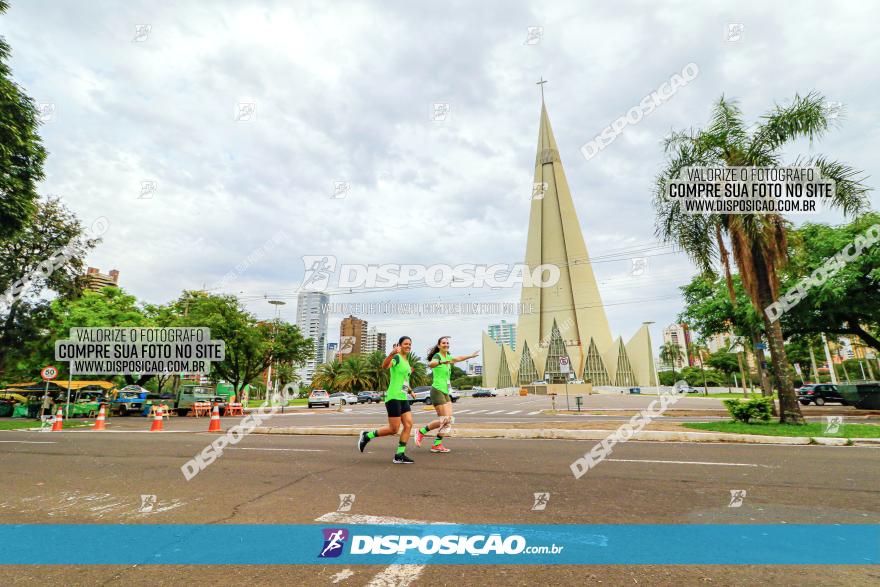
x,y
99,421
157,420
214,426
58,425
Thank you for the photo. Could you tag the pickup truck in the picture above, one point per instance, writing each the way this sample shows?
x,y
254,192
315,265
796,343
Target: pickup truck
x,y
128,401
187,395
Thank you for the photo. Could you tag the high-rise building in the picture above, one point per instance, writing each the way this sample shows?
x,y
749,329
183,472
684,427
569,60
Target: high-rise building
x,y
312,322
504,333
95,280
474,369
567,324
679,335
382,342
352,336
719,342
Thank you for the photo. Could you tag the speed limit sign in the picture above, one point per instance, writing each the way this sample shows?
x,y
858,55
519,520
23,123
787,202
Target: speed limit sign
x,y
48,373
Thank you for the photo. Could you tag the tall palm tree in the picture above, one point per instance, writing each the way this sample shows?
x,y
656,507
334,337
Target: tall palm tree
x,y
419,374
670,353
698,348
758,241
354,375
378,375
327,376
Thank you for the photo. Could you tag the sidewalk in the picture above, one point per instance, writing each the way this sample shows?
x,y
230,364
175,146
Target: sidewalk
x,y
587,431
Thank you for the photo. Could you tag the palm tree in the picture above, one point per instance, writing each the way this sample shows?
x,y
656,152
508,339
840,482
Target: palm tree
x,y
670,353
419,374
378,375
698,349
327,375
758,241
354,375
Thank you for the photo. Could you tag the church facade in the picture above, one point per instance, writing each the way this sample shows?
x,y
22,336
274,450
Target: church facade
x,y
567,319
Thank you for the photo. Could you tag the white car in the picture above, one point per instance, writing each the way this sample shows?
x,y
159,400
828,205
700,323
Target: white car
x,y
343,397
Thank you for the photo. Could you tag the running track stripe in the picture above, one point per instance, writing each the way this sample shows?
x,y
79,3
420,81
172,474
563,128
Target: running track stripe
x,y
687,463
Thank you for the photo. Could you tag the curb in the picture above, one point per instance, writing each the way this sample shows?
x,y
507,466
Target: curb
x,y
554,434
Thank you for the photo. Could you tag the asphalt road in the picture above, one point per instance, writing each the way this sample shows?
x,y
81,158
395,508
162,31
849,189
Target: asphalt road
x,y
82,477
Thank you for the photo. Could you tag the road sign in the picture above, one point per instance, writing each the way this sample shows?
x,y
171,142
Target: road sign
x,y
564,366
49,373
760,346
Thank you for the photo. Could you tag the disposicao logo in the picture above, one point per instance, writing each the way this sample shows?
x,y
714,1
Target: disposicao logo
x,y
334,541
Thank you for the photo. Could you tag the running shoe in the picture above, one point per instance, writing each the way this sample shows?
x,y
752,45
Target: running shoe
x,y
363,439
419,437
402,459
440,448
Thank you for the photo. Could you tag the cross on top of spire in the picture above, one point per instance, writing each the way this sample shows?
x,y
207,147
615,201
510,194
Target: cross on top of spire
x,y
541,83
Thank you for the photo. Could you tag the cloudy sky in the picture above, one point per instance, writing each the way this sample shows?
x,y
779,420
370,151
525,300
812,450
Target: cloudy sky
x,y
343,92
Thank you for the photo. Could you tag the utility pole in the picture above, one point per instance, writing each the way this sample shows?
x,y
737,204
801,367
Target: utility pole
x,y
813,363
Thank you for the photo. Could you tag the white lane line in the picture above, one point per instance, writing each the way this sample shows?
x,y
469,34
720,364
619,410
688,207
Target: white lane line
x,y
494,412
30,441
461,411
392,575
688,463
285,449
477,412
514,412
533,413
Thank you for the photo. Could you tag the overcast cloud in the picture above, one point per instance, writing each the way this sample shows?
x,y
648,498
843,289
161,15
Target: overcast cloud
x,y
343,92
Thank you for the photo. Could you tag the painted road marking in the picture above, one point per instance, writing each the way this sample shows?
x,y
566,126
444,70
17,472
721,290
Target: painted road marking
x,y
494,412
30,441
461,411
688,463
477,412
287,449
533,413
392,575
514,412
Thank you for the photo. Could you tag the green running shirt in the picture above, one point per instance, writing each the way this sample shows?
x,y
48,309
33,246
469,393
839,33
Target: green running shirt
x,y
400,371
441,374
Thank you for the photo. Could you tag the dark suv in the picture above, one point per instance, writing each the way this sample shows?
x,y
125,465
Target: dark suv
x,y
819,394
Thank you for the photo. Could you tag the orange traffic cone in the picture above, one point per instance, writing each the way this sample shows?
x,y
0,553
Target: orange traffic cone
x,y
99,421
214,426
58,425
157,420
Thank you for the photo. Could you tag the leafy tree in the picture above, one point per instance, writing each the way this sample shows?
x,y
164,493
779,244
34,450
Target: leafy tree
x,y
251,345
47,254
22,153
419,375
758,241
849,302
379,377
724,362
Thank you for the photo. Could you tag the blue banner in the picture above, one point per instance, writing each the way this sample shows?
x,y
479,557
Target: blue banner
x,y
439,544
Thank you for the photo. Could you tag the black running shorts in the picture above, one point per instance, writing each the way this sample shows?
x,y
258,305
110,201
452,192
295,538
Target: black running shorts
x,y
397,407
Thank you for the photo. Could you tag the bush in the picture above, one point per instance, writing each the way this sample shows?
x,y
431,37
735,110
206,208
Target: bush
x,y
756,408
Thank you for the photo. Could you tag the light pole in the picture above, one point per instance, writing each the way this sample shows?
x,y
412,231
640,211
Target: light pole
x,y
828,358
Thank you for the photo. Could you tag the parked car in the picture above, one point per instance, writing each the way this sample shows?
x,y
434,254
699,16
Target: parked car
x,y
344,397
819,394
366,397
484,393
422,394
319,397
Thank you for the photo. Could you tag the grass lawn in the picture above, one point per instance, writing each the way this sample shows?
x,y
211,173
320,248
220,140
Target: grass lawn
x,y
774,429
256,403
25,423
